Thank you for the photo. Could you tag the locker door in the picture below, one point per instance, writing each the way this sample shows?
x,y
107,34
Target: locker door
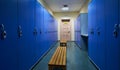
x,y
113,55
92,40
119,33
44,25
8,46
77,30
42,31
26,44
38,22
101,32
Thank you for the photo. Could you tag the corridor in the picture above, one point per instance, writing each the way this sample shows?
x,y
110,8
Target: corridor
x,y
60,35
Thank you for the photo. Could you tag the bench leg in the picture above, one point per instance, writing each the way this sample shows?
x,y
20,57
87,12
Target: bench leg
x,y
64,68
50,68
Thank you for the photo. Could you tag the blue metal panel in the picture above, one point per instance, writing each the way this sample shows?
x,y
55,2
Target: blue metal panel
x,y
8,47
26,44
92,31
113,55
77,30
38,21
101,32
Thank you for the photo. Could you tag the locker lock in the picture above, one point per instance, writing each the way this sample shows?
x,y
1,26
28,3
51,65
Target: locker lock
x,y
40,31
98,31
3,32
35,31
116,30
19,31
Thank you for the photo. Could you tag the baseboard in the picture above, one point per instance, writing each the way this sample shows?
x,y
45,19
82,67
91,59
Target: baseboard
x,y
43,55
93,63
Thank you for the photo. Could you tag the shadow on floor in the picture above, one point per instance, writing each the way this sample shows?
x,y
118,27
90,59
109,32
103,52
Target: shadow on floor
x,y
77,59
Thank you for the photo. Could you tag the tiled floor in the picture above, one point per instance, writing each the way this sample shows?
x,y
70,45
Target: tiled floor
x,y
77,59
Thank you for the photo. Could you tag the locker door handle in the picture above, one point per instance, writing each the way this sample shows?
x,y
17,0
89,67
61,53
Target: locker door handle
x,y
3,32
40,32
68,31
115,33
35,31
19,31
116,30
98,32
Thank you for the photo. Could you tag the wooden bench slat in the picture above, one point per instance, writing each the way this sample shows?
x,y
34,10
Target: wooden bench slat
x,y
52,61
64,60
60,61
53,57
58,58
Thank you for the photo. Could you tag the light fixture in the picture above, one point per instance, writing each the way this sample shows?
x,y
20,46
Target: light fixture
x,y
65,8
65,17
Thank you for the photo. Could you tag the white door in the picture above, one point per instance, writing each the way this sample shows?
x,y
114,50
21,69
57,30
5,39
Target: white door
x,y
65,30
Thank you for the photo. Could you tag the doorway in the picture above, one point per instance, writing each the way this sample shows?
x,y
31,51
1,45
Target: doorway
x,y
65,30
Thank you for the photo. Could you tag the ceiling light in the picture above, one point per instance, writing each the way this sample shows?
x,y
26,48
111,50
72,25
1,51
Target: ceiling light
x,y
65,8
65,17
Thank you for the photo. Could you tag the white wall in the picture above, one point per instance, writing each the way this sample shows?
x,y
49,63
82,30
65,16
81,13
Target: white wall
x,y
84,9
72,16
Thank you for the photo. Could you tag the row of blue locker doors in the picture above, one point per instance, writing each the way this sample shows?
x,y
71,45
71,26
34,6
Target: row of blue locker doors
x,y
22,53
104,33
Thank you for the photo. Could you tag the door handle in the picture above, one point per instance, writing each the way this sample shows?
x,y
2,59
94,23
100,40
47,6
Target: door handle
x,y
19,31
35,31
116,30
3,32
68,31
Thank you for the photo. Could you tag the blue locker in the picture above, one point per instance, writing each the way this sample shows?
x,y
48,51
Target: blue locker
x,y
83,30
119,27
26,44
77,30
42,31
112,53
92,31
8,46
45,29
101,32
38,22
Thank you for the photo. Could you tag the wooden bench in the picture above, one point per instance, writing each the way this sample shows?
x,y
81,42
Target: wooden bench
x,y
58,60
63,43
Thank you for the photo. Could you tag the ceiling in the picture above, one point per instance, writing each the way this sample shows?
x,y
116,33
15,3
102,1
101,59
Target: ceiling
x,y
56,5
